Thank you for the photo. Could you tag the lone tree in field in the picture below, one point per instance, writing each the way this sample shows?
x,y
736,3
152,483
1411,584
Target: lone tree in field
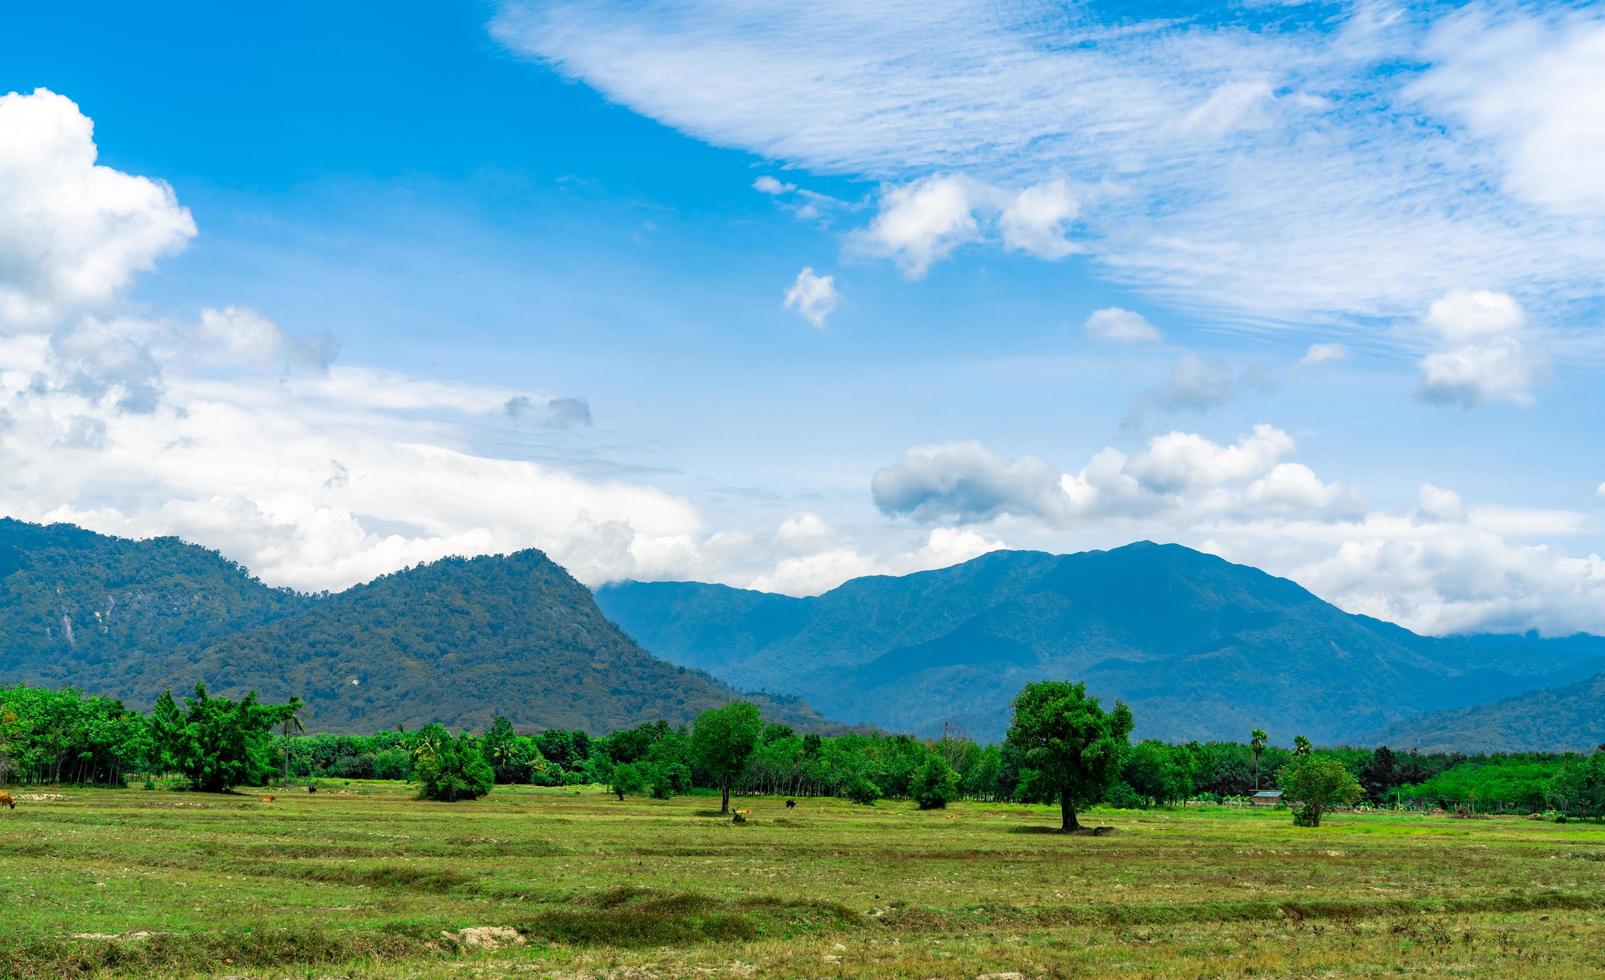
x,y
722,742
1257,740
627,779
1074,747
1312,784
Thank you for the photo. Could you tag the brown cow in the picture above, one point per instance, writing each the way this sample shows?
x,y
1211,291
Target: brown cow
x,y
267,799
6,800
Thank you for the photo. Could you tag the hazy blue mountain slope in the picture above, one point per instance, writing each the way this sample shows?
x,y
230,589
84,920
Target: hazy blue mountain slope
x,y
1200,647
457,641
1570,718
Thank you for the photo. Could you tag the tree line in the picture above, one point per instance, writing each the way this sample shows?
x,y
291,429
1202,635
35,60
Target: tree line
x,y
1063,747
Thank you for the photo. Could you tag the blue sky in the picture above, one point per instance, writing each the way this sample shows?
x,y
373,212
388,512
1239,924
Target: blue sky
x,y
350,288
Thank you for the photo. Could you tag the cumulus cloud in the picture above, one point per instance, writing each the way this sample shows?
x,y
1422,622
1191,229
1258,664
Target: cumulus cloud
x,y
1488,358
1183,460
239,337
923,222
1038,219
965,482
1177,473
1462,316
72,232
1439,504
771,186
1120,326
1323,354
553,413
813,296
1197,385
1472,375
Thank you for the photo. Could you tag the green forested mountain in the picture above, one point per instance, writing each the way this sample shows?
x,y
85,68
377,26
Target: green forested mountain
x,y
1199,647
1561,719
457,641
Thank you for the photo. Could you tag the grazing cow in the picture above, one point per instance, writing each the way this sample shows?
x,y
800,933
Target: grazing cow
x,y
791,804
6,800
267,799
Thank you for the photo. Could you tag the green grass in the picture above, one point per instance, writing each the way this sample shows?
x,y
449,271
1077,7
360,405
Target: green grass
x,y
370,882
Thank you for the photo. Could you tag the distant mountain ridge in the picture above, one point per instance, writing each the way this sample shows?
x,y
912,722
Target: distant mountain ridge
x,y
1558,719
456,641
1200,647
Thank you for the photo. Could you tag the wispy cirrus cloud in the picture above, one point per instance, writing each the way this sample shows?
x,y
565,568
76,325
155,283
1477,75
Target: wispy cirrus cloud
x,y
1297,172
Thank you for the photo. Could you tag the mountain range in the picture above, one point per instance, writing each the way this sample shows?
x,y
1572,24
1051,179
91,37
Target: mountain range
x,y
1199,647
457,641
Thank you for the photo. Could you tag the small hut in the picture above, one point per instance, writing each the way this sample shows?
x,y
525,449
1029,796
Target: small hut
x,y
1267,797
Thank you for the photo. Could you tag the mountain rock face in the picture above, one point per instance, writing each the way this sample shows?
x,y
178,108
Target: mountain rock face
x,y
1199,647
458,641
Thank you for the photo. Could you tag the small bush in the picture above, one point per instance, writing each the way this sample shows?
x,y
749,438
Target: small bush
x,y
934,784
862,790
1123,797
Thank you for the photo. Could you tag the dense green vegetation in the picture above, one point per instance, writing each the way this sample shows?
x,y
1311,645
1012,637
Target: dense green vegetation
x,y
457,642
60,736
1200,648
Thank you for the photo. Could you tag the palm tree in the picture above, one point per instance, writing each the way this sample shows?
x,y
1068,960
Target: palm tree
x,y
1256,744
292,725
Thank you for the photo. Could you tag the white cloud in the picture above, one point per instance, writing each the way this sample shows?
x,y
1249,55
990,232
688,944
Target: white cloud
x,y
922,222
1533,86
1179,473
1120,326
1470,376
1323,354
1440,504
925,221
1230,107
1196,384
1490,361
1038,219
72,232
819,571
1182,460
813,296
769,185
239,337
1461,315
966,482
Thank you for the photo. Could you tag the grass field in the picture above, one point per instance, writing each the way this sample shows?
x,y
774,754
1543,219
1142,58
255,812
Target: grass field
x,y
370,882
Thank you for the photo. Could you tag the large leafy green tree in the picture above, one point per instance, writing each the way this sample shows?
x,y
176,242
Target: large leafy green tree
x,y
218,743
1073,747
513,757
1159,773
1311,784
1580,787
450,769
722,743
